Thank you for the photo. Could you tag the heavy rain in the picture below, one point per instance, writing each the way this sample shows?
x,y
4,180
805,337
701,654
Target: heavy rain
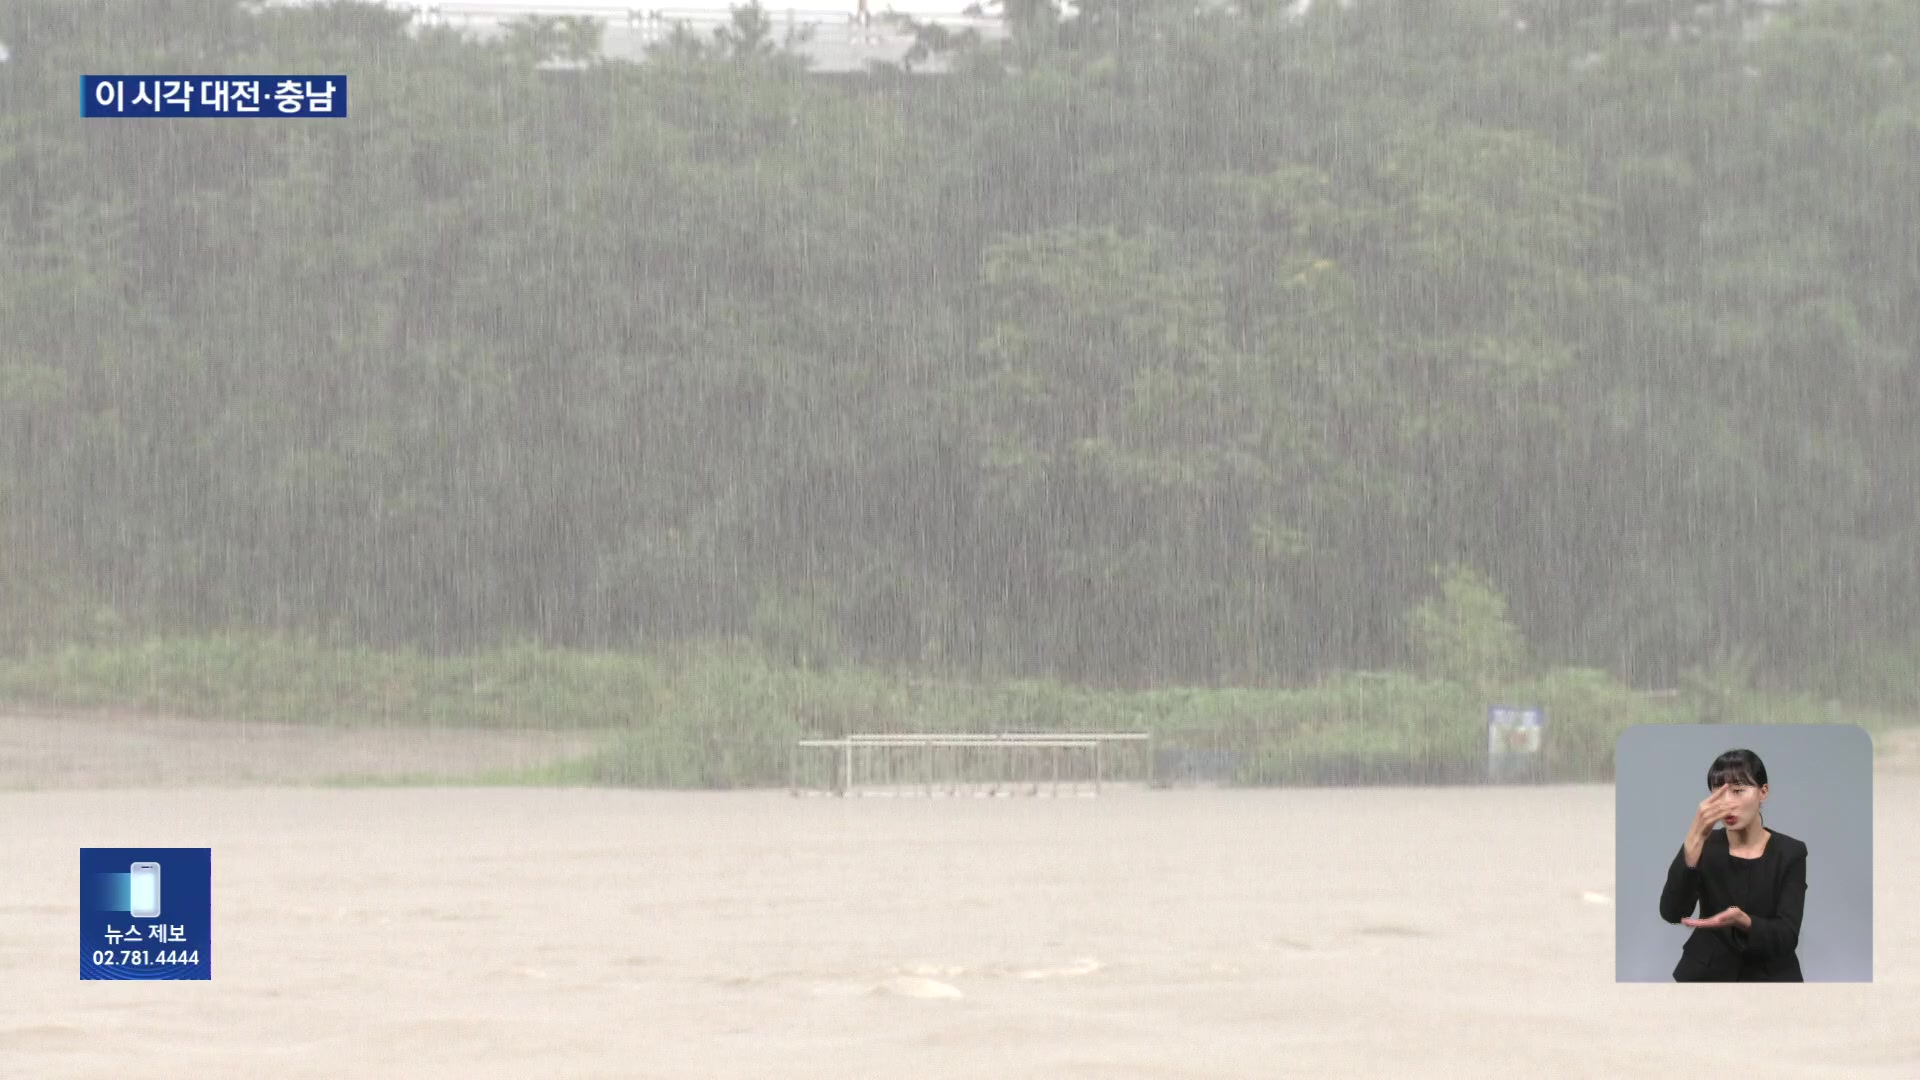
x,y
917,538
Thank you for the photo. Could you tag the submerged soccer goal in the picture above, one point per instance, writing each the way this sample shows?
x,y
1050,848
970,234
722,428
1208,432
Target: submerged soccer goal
x,y
1056,764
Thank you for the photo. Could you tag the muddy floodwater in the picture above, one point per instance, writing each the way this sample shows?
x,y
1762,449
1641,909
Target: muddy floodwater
x,y
503,932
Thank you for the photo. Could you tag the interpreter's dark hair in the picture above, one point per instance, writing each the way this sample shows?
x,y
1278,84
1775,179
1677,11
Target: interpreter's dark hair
x,y
1737,767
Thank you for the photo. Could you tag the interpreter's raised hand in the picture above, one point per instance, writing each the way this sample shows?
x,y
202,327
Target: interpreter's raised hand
x,y
1712,809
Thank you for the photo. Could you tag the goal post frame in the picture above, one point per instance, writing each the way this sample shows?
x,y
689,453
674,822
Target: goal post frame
x,y
1069,740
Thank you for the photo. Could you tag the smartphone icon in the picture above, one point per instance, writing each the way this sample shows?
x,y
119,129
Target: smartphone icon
x,y
145,892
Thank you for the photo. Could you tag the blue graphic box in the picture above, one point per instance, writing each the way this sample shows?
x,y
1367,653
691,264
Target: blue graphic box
x,y
146,913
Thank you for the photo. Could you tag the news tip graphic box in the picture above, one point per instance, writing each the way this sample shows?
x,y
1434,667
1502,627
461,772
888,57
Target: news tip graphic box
x,y
234,97
146,913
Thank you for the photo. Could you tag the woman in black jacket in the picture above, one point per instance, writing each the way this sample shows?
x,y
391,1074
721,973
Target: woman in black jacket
x,y
1750,883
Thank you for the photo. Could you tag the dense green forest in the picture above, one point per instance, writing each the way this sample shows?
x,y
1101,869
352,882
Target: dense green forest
x,y
1144,347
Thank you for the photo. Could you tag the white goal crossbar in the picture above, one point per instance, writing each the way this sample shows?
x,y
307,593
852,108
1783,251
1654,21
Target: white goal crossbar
x,y
1017,763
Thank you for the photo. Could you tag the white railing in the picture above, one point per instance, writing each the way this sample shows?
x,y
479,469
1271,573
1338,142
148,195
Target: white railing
x,y
945,14
878,764
823,31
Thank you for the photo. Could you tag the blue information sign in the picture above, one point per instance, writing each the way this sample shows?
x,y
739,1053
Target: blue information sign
x,y
285,97
146,913
1513,731
1513,742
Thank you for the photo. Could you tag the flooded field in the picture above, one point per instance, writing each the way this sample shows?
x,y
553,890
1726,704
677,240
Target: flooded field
x,y
591,933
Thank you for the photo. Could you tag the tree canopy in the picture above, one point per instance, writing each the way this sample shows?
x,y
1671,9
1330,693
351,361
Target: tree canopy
x,y
1146,345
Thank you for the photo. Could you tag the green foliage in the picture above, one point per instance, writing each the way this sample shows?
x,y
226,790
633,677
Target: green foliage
x,y
796,628
1148,347
1464,635
728,715
301,680
1719,687
1886,676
